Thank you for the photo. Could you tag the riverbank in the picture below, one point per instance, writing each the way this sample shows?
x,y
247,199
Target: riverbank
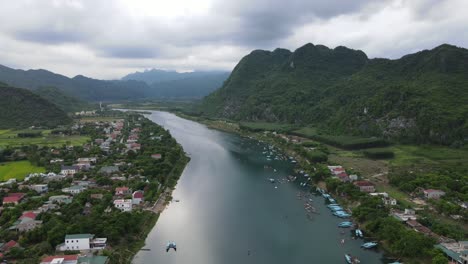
x,y
310,168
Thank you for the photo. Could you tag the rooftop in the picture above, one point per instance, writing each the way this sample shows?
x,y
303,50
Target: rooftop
x,y
79,236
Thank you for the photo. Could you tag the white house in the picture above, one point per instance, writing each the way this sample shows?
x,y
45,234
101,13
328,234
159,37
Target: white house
x,y
40,188
433,194
124,205
75,189
386,198
69,170
82,242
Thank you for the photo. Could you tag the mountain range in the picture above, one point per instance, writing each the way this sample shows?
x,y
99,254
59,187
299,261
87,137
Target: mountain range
x,y
171,84
420,97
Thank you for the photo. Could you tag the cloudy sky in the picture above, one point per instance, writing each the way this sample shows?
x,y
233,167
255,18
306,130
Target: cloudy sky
x,y
109,38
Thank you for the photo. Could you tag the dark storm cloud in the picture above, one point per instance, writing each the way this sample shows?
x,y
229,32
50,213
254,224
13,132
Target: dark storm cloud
x,y
269,21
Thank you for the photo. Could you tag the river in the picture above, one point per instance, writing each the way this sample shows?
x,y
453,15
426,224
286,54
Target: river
x,y
229,213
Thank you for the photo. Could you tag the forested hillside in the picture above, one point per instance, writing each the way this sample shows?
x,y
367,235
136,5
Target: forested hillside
x,y
61,100
418,98
20,108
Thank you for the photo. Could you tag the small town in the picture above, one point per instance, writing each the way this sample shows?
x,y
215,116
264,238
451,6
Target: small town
x,y
93,199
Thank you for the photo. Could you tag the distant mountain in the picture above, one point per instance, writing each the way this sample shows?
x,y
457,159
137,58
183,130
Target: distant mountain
x,y
63,101
155,75
418,98
190,87
172,84
20,108
79,86
180,85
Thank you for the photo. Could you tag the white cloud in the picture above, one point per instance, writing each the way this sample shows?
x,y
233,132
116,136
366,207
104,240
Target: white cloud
x,y
108,39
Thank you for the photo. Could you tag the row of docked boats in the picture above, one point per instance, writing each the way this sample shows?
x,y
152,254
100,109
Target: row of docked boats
x,y
339,211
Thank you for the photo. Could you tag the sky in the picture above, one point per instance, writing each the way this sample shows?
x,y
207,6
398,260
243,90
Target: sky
x,y
107,39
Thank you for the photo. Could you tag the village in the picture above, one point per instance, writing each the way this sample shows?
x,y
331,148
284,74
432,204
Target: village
x,y
93,199
412,213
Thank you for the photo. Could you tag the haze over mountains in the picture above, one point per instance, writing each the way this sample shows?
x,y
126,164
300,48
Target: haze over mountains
x,y
420,97
171,84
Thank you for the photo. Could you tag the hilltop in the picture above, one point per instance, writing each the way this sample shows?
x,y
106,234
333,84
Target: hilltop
x,y
419,98
20,108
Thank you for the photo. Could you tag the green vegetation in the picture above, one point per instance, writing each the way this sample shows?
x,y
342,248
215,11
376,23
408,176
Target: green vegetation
x,y
345,142
379,153
63,101
17,170
420,98
263,126
11,138
20,108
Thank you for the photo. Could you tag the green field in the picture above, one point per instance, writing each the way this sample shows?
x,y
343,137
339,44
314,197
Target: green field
x,y
346,142
425,154
10,138
263,126
17,169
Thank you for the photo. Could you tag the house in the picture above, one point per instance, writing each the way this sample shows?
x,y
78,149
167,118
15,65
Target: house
x,y
109,169
60,199
99,141
56,161
13,198
408,214
75,189
9,245
65,259
124,205
365,186
69,170
83,165
82,242
386,198
87,160
137,197
40,188
456,251
122,191
156,156
433,194
25,224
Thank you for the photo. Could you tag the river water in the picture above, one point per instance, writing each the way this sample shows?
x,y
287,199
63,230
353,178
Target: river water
x,y
230,213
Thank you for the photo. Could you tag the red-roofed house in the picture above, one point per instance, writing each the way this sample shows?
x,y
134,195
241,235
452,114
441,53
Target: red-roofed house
x,y
365,186
343,177
65,259
13,198
122,191
137,197
28,214
433,194
7,246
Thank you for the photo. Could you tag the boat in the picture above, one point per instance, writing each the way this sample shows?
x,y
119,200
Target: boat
x,y
348,258
369,245
345,224
325,195
341,214
358,233
171,245
332,205
272,180
331,200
